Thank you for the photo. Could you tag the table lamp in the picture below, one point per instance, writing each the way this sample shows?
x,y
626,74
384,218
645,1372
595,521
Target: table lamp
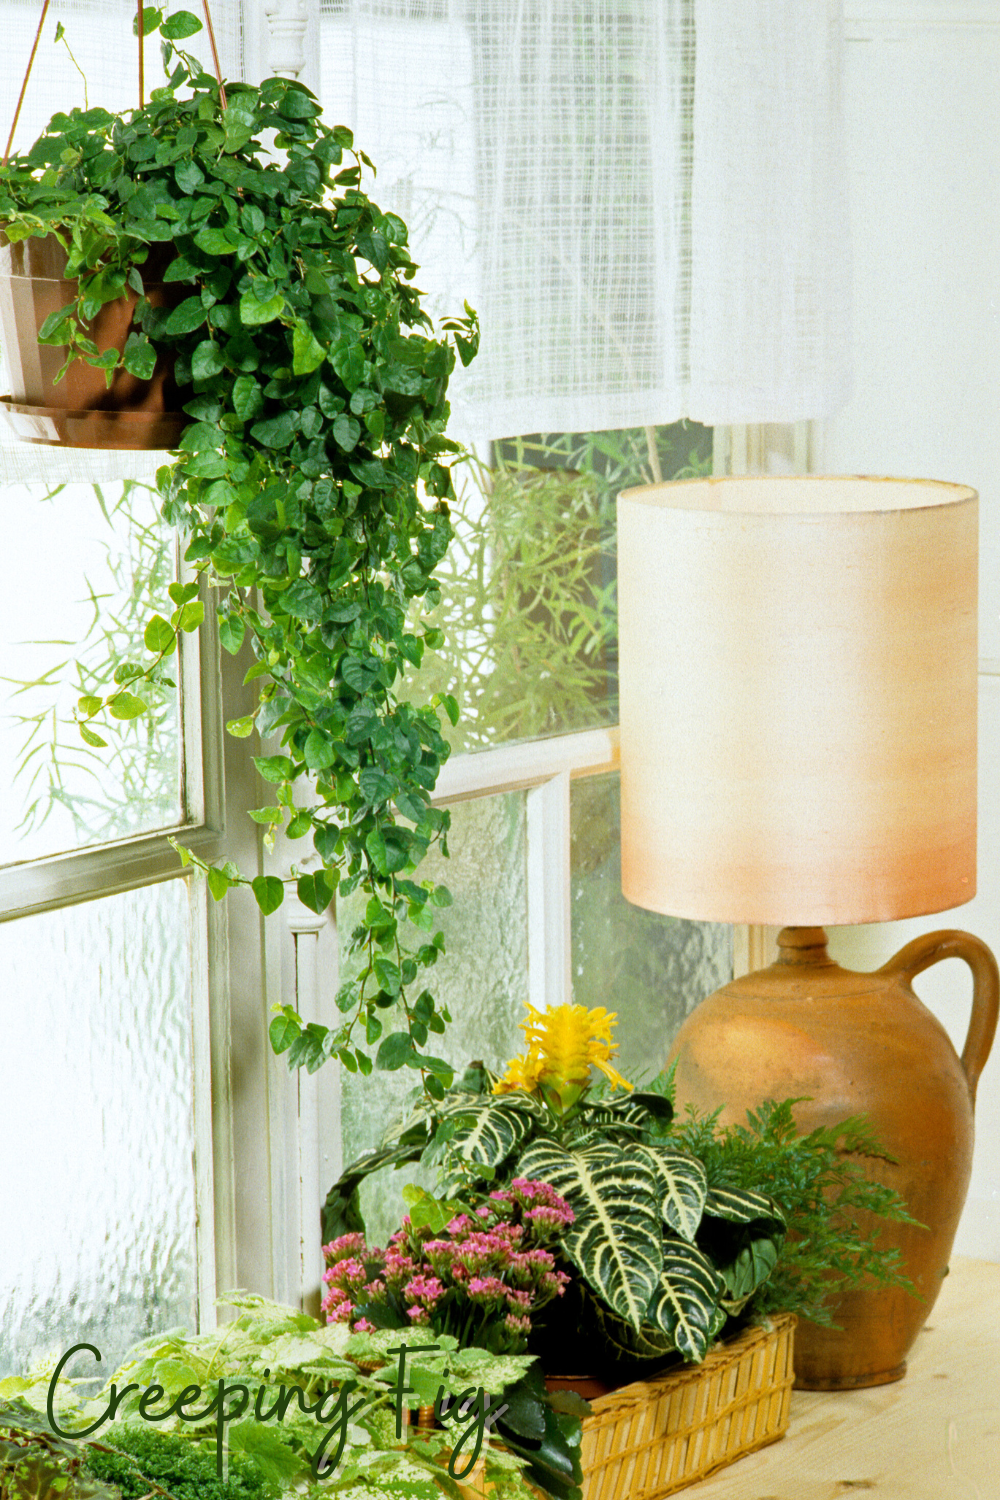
x,y
798,677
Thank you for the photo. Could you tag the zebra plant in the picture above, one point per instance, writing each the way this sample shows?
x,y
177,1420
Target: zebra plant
x,y
668,1257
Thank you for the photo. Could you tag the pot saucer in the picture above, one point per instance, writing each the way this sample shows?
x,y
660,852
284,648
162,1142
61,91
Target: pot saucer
x,y
93,429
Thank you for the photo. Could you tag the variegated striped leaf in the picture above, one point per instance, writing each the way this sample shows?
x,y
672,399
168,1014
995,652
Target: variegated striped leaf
x,y
683,1188
616,1240
741,1205
686,1302
487,1129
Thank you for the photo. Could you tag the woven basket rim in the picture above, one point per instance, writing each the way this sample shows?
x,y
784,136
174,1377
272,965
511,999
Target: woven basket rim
x,y
726,1352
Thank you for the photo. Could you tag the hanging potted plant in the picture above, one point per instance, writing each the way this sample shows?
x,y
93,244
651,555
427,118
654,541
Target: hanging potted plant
x,y
310,487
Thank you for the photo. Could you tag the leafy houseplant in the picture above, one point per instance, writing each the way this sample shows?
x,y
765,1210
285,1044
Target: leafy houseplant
x,y
640,1205
311,485
678,1232
294,1374
481,1276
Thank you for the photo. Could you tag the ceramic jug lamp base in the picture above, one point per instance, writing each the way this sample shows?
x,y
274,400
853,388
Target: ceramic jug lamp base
x,y
852,1044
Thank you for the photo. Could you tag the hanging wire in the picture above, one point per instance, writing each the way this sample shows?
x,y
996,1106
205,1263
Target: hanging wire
x,y
140,28
215,53
24,85
141,32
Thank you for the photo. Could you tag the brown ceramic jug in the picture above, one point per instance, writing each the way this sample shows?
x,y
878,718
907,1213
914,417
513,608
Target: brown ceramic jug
x,y
856,1044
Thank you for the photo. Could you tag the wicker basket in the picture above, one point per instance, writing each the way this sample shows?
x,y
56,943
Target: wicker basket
x,y
654,1437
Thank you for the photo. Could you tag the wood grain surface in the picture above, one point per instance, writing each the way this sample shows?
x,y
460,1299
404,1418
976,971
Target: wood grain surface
x,y
935,1435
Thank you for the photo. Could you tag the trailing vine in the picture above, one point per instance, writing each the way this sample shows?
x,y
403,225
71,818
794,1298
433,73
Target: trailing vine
x,y
311,486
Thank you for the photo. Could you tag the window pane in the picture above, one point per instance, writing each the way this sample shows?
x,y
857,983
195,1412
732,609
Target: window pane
x,y
483,978
652,970
64,628
96,1116
528,605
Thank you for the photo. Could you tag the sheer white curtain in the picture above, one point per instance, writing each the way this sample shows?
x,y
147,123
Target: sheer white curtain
x,y
642,198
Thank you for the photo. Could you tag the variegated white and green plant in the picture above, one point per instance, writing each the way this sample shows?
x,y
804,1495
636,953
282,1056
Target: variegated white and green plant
x,y
268,1347
645,1210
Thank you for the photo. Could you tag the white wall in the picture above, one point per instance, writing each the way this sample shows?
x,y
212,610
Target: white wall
x,y
922,105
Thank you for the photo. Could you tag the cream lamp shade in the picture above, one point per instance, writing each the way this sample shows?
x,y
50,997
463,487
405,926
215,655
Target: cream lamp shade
x,y
798,673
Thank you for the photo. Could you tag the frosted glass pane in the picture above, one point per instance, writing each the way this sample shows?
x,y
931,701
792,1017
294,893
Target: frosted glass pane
x,y
483,978
652,970
108,562
97,1237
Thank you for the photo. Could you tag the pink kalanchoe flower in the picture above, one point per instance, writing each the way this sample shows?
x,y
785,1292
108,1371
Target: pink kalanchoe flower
x,y
341,1313
363,1326
426,1289
346,1244
486,1289
518,1301
458,1224
349,1269
549,1217
418,1314
517,1324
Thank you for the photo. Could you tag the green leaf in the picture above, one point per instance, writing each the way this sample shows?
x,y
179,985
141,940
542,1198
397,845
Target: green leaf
x,y
269,893
89,705
218,882
207,360
179,25
307,353
486,1130
394,1051
180,593
683,1187
139,356
158,636
215,241
616,1240
231,632
247,398
287,1027
90,738
241,729
741,1205
185,317
126,706
388,975
318,751
253,312
274,768
188,176
190,615
315,891
276,432
346,432
686,1299
376,786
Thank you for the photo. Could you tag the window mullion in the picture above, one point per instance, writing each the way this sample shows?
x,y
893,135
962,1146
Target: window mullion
x,y
549,935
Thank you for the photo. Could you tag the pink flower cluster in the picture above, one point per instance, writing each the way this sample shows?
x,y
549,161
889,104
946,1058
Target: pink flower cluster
x,y
480,1279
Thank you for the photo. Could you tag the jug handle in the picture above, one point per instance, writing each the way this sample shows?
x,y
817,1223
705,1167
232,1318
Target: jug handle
x,y
950,943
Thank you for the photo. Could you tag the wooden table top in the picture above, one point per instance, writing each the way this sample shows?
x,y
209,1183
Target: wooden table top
x,y
935,1435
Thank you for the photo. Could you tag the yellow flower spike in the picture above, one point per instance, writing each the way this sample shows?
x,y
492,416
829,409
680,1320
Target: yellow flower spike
x,y
522,1073
564,1043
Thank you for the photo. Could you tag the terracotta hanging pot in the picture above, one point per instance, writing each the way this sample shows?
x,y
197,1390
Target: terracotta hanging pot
x,y
856,1044
82,411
